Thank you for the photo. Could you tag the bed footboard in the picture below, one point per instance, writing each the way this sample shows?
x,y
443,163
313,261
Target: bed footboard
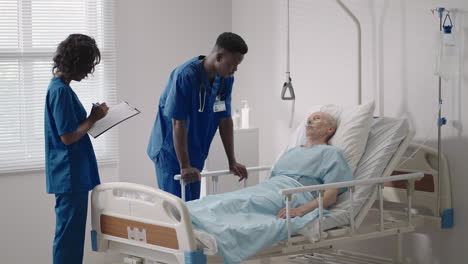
x,y
138,220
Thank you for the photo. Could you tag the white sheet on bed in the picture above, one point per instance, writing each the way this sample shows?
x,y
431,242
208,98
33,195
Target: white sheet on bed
x,y
385,136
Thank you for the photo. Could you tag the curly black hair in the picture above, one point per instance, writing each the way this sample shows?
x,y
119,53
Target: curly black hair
x,y
232,43
78,54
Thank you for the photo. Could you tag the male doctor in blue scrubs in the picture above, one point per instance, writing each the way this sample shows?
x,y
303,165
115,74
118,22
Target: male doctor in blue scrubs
x,y
195,102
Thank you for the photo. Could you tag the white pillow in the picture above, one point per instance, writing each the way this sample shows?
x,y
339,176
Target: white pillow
x,y
353,126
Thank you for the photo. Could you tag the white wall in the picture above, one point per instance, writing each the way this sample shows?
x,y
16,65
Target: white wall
x,y
399,47
154,37
28,219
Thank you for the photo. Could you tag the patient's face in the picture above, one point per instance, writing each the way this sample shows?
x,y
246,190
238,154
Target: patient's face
x,y
317,125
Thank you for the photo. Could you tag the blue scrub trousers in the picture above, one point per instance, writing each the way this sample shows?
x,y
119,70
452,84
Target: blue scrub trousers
x,y
167,183
70,210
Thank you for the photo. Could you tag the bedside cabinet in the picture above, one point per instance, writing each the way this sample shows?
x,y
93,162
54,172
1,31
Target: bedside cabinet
x,y
246,151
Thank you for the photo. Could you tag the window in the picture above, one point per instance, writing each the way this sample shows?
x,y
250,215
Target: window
x,y
30,31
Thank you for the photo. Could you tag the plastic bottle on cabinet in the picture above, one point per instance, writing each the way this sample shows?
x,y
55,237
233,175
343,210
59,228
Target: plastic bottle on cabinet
x,y
245,114
236,119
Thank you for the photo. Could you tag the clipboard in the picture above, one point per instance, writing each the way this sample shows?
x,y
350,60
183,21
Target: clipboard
x,y
116,115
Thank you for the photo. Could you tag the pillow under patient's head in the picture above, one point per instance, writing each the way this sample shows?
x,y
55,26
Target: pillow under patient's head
x,y
353,125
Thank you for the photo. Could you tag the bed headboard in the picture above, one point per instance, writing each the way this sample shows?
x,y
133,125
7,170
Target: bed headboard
x,y
433,191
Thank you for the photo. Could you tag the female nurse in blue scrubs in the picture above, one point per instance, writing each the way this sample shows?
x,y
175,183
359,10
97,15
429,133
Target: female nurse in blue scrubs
x,y
71,167
194,104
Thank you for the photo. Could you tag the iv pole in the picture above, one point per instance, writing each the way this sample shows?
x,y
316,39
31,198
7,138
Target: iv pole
x,y
441,120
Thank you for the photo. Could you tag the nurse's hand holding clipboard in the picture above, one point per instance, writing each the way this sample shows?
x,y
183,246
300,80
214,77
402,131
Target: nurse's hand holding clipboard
x,y
98,112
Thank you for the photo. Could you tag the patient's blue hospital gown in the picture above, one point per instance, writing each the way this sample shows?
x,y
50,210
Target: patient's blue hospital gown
x,y
244,222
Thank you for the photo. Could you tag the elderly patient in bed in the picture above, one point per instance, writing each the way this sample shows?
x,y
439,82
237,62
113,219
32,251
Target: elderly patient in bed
x,y
245,221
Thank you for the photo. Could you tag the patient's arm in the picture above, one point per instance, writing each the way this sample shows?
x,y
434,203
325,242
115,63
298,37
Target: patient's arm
x,y
329,198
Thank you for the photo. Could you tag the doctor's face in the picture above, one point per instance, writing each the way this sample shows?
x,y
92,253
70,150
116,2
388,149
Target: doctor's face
x,y
227,62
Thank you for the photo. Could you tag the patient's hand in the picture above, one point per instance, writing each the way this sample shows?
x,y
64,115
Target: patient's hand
x,y
190,174
292,211
239,170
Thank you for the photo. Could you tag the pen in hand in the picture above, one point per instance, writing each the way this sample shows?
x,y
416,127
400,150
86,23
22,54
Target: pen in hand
x,y
99,111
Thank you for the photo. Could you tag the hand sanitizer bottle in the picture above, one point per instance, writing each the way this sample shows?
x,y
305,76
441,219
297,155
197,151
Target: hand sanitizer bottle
x,y
245,114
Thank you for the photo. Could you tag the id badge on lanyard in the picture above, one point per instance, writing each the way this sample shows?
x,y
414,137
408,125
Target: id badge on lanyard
x,y
219,106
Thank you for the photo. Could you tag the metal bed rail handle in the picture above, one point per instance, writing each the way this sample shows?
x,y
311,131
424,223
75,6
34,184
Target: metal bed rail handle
x,y
226,172
324,187
215,174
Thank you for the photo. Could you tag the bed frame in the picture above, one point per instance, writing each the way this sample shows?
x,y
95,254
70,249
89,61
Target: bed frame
x,y
155,225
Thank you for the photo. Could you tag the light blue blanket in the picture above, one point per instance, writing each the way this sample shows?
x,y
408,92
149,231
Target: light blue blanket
x,y
244,222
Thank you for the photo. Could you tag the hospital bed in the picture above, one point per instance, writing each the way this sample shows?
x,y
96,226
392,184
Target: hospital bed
x,y
137,220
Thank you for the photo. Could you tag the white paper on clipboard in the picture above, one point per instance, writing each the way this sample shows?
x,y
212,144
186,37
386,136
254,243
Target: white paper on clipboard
x,y
116,115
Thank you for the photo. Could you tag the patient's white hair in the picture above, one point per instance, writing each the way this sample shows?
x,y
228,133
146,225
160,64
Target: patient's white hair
x,y
329,119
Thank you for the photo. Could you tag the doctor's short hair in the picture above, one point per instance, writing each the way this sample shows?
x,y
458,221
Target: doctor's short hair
x,y
77,54
232,43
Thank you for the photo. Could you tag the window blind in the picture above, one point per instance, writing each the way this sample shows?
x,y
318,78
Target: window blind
x,y
30,31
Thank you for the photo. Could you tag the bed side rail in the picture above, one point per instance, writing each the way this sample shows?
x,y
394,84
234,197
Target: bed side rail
x,y
410,179
351,185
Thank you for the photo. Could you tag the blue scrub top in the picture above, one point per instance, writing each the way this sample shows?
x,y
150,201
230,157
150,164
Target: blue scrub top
x,y
181,99
320,164
71,168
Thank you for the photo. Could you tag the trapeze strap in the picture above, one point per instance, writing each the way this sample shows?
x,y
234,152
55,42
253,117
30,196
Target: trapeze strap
x,y
288,86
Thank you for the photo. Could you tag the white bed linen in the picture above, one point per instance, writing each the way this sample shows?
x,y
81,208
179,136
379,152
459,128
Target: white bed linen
x,y
353,129
385,136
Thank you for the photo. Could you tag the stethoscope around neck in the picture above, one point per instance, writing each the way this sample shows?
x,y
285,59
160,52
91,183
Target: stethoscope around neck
x,y
202,89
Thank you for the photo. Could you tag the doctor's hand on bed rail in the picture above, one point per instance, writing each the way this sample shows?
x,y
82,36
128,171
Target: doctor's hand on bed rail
x,y
239,170
190,174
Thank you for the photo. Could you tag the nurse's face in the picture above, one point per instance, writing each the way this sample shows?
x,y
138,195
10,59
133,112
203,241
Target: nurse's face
x,y
227,62
81,75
